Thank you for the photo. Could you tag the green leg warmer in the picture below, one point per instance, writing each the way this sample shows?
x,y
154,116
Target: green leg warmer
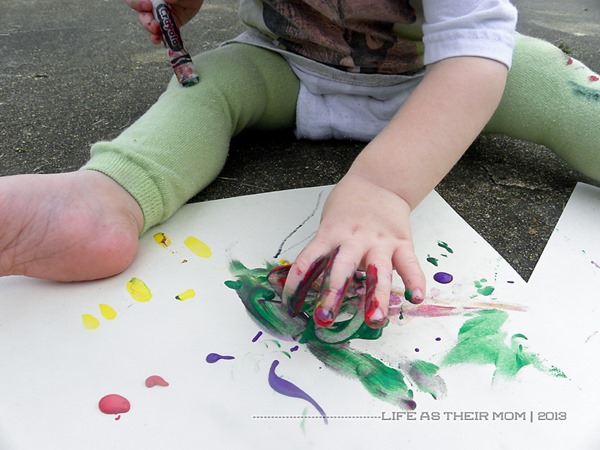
x,y
180,144
553,100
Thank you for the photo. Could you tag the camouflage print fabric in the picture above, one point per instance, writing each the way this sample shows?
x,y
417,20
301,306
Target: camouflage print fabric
x,y
352,35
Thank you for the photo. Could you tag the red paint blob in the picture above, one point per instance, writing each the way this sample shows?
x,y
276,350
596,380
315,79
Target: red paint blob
x,y
156,380
114,404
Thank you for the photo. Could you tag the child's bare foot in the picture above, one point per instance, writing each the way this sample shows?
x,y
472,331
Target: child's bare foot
x,y
66,227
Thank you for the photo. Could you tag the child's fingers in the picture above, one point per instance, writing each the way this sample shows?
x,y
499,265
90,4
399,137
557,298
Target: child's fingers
x,y
408,267
377,297
337,275
302,274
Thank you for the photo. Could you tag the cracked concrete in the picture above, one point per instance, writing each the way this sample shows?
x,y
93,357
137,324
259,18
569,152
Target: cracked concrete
x,y
72,73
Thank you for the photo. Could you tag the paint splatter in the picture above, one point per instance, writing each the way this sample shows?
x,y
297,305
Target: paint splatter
x,y
197,247
114,404
138,290
107,311
432,260
289,389
162,239
482,341
443,277
190,293
258,335
233,284
260,290
155,380
90,322
294,348
482,289
445,246
212,358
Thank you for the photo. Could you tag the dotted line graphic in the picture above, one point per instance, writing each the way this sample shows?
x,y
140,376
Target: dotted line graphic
x,y
319,417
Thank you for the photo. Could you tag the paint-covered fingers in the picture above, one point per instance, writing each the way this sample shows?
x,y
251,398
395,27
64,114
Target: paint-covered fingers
x,y
302,274
377,295
338,274
408,267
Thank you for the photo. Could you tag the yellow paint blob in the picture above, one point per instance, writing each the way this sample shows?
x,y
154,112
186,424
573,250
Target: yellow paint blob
x,y
197,247
90,322
138,290
162,239
107,311
190,293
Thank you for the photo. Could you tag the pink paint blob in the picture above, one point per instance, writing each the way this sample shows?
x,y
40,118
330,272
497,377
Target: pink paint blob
x,y
114,404
156,380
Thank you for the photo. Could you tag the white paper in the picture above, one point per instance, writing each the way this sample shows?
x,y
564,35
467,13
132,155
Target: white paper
x,y
55,370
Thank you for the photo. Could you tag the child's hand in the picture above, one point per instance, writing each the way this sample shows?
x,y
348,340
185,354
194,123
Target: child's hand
x,y
183,10
365,227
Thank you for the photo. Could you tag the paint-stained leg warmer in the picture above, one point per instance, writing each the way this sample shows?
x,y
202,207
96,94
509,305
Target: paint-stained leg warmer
x,y
553,100
180,144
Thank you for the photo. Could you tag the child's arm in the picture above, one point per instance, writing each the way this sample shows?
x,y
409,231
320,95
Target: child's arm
x,y
366,217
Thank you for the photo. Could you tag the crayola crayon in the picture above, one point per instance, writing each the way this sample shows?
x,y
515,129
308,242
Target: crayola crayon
x,y
180,59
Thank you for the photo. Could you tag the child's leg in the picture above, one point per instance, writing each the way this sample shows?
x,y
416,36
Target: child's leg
x,y
553,100
83,225
180,145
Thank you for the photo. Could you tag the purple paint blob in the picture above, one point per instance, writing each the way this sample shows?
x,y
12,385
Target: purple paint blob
x,y
255,338
212,358
438,339
443,277
417,349
294,348
288,389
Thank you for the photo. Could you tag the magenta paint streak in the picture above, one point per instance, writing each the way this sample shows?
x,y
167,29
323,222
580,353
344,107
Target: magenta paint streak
x,y
156,380
258,335
288,389
212,358
443,277
114,404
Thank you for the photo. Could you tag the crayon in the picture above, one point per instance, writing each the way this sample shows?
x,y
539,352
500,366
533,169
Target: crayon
x,y
180,59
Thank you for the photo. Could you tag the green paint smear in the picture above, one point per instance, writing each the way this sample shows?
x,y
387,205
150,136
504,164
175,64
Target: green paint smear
x,y
445,246
381,381
432,260
587,93
486,290
482,341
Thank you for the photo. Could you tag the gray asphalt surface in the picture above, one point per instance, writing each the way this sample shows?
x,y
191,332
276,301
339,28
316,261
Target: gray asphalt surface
x,y
75,72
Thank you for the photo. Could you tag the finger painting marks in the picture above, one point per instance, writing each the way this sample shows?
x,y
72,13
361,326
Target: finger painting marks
x,y
483,289
155,380
289,389
107,311
162,239
90,322
114,404
445,246
197,247
432,260
190,293
257,336
443,277
233,284
138,290
212,358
